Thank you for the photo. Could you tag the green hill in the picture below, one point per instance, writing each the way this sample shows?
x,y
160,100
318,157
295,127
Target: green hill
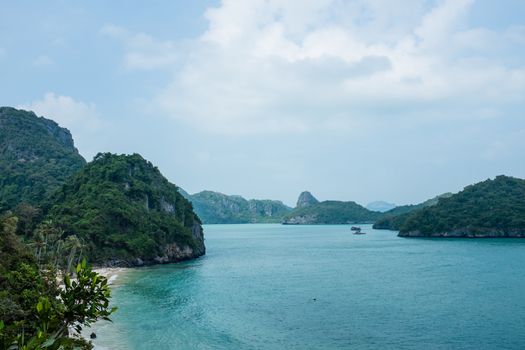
x,y
36,157
394,218
492,208
127,213
217,208
330,212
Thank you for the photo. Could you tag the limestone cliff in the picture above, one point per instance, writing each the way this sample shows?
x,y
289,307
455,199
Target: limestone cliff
x,y
306,199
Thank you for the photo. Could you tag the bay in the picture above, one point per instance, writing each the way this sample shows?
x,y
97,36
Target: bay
x,y
321,287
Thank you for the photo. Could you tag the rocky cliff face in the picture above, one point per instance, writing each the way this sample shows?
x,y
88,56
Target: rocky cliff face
x,y
174,252
306,199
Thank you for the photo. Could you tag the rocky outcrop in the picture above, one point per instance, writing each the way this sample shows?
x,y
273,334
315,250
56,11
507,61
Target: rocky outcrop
x,y
306,199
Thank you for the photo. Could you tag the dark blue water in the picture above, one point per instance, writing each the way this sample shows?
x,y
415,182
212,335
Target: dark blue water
x,y
320,287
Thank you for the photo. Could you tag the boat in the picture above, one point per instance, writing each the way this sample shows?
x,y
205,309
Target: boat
x,y
357,230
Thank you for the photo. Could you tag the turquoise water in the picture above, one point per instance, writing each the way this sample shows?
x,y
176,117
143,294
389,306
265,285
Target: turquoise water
x,y
320,287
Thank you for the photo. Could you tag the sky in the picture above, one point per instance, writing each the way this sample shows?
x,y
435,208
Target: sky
x,y
359,100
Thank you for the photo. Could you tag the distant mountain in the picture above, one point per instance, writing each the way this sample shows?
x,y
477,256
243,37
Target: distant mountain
x,y
127,213
306,199
217,208
329,212
492,208
36,157
394,218
380,206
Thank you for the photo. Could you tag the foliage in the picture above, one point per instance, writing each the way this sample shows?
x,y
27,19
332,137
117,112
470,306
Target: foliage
x,y
394,218
53,249
21,282
217,208
85,299
35,313
331,212
36,156
494,208
123,208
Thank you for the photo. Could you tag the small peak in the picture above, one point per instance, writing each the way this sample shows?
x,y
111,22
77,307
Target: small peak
x,y
305,199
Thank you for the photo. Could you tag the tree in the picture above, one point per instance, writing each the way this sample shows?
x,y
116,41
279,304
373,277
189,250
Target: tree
x,y
83,301
34,312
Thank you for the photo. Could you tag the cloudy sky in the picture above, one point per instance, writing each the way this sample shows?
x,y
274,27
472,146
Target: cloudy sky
x,y
351,99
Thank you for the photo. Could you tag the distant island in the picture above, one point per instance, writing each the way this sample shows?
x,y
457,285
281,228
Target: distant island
x,y
489,209
394,218
309,211
124,212
217,208
380,206
56,209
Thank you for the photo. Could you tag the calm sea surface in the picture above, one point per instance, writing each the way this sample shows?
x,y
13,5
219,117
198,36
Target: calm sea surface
x,y
321,287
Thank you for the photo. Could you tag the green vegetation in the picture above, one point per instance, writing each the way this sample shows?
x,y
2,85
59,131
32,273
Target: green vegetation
x,y
330,212
55,210
34,312
218,208
127,213
492,208
36,157
394,218
115,210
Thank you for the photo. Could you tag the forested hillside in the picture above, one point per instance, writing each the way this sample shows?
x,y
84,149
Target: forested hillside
x,y
36,157
492,208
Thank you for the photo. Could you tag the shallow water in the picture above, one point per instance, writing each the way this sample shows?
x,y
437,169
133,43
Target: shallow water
x,y
321,287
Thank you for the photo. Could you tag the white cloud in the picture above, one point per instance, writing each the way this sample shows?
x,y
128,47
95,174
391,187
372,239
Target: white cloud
x,y
267,66
143,51
66,111
80,118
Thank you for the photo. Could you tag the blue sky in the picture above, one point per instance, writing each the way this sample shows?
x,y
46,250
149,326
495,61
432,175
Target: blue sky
x,y
352,100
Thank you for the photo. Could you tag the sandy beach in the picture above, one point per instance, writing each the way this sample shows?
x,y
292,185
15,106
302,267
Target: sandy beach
x,y
111,273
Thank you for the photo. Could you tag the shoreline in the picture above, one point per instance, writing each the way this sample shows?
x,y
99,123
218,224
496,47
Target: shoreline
x,y
111,273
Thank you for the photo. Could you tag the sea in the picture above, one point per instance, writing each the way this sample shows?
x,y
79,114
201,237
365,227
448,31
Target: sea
x,y
266,286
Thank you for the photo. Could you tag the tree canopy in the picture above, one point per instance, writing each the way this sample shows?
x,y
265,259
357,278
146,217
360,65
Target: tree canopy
x,y
36,157
124,209
492,208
